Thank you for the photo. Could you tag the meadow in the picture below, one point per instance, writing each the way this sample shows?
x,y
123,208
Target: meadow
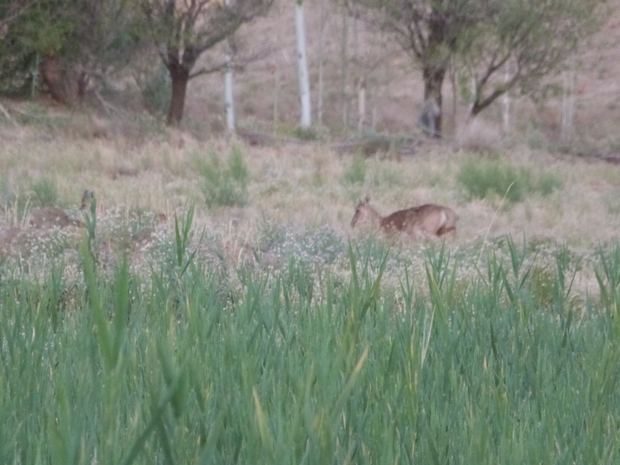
x,y
216,307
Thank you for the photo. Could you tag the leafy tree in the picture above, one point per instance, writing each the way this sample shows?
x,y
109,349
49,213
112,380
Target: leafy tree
x,y
183,31
522,42
535,36
10,59
11,10
73,43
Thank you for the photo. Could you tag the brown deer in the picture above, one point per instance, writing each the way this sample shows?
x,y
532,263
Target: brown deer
x,y
52,217
427,220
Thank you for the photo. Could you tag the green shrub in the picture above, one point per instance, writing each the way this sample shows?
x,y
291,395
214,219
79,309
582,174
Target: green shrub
x,y
225,185
306,133
547,183
44,193
483,178
355,172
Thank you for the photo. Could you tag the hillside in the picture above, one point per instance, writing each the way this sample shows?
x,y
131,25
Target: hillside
x,y
269,86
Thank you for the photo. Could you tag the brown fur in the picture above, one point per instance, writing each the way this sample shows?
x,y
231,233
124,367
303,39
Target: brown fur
x,y
425,220
51,217
88,197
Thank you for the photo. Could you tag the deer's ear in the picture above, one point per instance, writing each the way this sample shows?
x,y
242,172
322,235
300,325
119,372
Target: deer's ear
x,y
366,199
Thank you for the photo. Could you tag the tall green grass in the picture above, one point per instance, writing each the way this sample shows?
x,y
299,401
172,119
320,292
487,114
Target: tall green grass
x,y
176,367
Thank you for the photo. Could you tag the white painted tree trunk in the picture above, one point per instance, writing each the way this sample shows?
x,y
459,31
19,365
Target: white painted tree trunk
x,y
321,60
229,101
506,103
473,89
361,103
276,96
344,58
304,82
568,102
228,96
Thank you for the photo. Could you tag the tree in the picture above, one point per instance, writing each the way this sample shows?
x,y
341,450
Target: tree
x,y
302,65
228,84
184,30
11,10
522,42
72,43
429,31
483,34
11,58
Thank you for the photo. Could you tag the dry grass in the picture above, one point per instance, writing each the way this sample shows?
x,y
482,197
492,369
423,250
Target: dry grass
x,y
301,198
305,186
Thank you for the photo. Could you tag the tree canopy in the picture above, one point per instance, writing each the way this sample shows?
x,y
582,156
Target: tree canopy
x,y
183,30
530,37
69,42
521,43
496,45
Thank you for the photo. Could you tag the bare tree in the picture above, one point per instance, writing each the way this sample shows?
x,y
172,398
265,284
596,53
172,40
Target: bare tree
x,y
183,31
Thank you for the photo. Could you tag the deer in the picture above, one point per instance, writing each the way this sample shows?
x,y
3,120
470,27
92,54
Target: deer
x,y
428,220
52,217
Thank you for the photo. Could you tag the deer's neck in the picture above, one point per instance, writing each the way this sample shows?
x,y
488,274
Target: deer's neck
x,y
374,216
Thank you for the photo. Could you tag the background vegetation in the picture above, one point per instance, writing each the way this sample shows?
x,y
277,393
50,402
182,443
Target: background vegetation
x,y
260,328
214,306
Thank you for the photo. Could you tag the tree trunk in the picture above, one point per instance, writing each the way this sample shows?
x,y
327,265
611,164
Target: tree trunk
x,y
61,79
568,101
433,81
229,101
344,73
436,63
506,102
361,103
180,78
321,59
302,64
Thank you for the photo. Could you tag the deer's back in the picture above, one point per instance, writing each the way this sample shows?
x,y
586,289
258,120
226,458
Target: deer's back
x,y
428,219
397,221
51,217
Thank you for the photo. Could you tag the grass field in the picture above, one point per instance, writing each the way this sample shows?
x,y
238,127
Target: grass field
x,y
216,307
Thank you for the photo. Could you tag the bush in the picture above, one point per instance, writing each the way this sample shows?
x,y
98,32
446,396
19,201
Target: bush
x,y
44,193
225,186
483,178
356,172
